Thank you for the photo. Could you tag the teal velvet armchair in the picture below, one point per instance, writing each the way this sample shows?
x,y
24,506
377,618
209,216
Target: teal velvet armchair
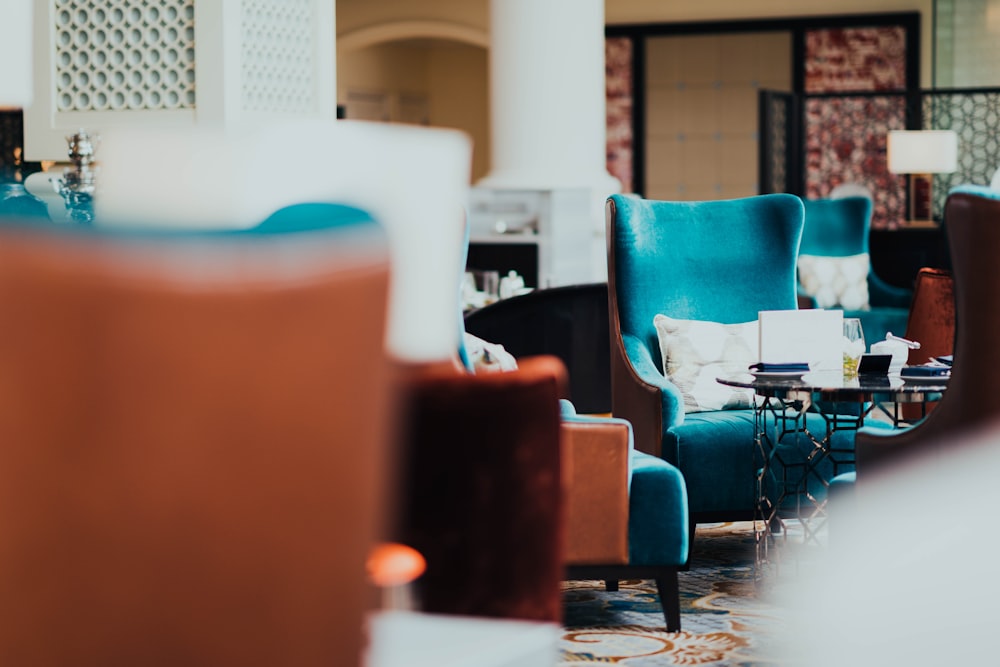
x,y
714,261
834,262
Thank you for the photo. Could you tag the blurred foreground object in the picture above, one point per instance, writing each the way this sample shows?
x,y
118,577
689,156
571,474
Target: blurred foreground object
x,y
193,444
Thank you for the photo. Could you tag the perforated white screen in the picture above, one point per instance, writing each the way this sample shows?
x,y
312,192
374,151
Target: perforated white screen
x,y
114,55
278,51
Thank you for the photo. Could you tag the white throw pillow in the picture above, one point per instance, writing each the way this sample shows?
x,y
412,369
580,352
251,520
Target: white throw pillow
x,y
836,281
696,352
487,357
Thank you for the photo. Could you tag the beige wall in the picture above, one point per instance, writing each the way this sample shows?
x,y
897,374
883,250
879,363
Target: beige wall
x,y
459,96
387,81
701,111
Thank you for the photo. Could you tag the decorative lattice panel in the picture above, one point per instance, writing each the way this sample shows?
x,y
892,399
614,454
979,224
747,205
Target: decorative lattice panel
x,y
278,51
116,55
975,117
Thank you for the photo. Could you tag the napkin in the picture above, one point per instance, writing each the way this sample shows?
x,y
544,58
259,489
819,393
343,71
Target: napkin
x,y
926,371
790,367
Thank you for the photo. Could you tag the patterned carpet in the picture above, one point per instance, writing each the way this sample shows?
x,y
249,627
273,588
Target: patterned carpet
x,y
726,618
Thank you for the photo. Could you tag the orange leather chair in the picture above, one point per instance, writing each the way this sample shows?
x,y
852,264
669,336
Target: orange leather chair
x,y
932,315
193,446
626,511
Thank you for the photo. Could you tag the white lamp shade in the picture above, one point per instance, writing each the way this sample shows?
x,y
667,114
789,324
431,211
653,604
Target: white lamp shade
x,y
16,73
922,151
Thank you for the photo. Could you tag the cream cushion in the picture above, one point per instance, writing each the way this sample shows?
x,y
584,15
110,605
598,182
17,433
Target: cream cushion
x,y
696,352
836,281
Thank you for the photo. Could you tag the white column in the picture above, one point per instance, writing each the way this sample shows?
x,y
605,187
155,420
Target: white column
x,y
547,95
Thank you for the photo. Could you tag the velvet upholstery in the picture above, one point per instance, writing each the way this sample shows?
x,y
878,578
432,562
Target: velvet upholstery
x,y
482,496
194,445
839,228
720,261
972,224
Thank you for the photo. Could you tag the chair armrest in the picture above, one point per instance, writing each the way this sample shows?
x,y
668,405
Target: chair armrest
x,y
646,371
882,294
596,460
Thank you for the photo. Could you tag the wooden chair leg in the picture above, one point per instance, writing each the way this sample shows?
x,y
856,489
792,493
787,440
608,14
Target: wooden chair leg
x,y
611,585
667,588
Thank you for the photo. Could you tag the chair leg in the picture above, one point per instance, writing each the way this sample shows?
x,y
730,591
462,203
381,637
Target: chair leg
x,y
669,591
611,585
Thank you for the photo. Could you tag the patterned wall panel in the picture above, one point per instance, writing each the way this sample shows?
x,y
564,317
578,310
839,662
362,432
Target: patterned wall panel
x,y
855,59
114,55
618,91
845,136
845,143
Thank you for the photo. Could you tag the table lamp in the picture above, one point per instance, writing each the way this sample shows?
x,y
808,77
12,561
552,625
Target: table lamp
x,y
920,154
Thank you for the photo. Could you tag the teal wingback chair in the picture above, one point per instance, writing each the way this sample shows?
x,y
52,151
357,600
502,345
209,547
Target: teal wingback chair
x,y
717,261
839,228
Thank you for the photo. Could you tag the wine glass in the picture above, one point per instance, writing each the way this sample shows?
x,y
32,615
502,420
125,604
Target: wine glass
x,y
854,346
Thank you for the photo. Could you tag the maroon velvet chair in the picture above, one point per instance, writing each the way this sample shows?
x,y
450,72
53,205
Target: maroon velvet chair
x,y
481,492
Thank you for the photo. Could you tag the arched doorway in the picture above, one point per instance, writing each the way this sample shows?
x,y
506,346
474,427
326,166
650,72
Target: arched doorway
x,y
423,72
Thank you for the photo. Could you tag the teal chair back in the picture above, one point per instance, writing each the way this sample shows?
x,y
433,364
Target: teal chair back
x,y
839,228
721,261
836,227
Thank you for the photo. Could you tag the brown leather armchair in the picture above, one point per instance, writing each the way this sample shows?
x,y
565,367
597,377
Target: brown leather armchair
x,y
194,446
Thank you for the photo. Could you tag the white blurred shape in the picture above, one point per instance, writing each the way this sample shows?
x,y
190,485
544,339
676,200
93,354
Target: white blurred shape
x,y
16,48
414,180
909,578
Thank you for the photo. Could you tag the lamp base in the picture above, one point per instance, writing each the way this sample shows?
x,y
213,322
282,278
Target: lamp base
x,y
920,209
919,224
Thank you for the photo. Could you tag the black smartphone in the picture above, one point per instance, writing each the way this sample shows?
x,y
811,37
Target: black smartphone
x,y
874,364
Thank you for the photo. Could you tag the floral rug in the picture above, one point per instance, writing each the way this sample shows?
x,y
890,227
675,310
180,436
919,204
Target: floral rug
x,y
726,618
